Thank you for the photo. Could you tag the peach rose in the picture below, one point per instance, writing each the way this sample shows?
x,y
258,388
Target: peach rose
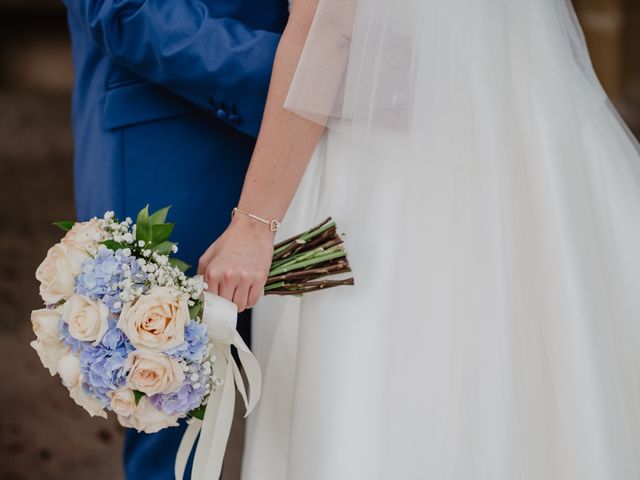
x,y
156,320
90,403
87,319
46,324
57,272
123,401
151,372
84,236
69,369
50,353
147,418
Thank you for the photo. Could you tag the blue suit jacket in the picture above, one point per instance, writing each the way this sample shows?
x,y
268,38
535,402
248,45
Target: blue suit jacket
x,y
168,98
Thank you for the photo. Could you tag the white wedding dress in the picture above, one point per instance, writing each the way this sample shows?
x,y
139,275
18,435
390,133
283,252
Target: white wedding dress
x,y
492,220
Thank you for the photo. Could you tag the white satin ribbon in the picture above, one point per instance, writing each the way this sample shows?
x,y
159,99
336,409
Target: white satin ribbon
x,y
221,317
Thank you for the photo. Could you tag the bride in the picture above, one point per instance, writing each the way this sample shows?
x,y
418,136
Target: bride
x,y
490,199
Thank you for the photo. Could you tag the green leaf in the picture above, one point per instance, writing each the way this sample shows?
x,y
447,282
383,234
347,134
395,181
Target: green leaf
x,y
113,245
182,266
161,232
143,225
160,216
65,225
164,248
195,310
138,395
198,412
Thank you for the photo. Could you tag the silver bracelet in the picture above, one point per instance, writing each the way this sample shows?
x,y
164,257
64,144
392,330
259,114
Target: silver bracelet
x,y
274,225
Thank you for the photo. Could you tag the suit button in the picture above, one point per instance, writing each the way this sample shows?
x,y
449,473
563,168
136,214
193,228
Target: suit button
x,y
234,119
221,114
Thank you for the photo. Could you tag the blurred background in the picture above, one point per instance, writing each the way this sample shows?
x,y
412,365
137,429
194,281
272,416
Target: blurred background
x,y
43,435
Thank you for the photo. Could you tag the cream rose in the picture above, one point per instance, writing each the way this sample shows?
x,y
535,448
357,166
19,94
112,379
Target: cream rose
x,y
147,418
151,372
156,320
57,272
50,353
88,402
46,324
84,236
69,369
123,401
87,319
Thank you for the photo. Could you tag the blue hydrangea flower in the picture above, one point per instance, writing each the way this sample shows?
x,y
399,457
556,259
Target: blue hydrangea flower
x,y
183,400
195,346
194,351
100,277
103,365
115,339
75,345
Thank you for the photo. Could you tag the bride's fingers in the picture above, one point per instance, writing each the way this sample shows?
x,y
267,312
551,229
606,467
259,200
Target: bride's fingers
x,y
203,263
212,280
241,295
255,292
226,289
213,288
204,260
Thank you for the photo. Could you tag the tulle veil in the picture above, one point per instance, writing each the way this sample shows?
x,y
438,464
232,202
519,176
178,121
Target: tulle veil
x,y
361,57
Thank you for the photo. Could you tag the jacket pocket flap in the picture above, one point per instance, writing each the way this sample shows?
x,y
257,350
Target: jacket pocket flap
x,y
141,102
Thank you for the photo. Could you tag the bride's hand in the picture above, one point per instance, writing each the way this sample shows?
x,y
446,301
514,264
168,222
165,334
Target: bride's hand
x,y
237,264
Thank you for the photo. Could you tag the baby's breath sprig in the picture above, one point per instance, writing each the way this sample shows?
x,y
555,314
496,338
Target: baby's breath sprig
x,y
147,240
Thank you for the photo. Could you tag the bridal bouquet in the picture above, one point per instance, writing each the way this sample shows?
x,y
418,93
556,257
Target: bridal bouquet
x,y
123,324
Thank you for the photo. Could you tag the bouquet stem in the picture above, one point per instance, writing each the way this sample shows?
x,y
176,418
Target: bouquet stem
x,y
301,263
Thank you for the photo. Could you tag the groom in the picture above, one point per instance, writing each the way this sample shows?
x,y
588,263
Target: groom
x,y
167,103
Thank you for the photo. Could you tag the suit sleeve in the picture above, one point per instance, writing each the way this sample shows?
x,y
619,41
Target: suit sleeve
x,y
219,64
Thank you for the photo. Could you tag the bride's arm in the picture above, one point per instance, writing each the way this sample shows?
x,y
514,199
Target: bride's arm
x,y
236,265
